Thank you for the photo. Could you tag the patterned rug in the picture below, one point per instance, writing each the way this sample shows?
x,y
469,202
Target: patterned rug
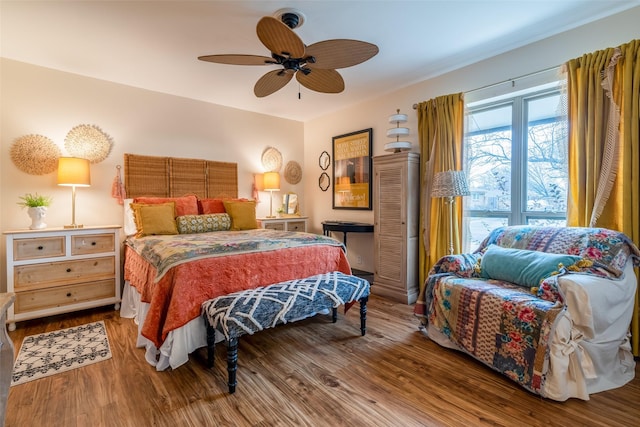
x,y
59,351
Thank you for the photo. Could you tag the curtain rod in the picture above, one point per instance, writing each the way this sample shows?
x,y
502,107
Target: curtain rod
x,y
512,80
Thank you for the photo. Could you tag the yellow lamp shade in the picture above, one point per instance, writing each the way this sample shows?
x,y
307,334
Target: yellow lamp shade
x,y
73,171
271,181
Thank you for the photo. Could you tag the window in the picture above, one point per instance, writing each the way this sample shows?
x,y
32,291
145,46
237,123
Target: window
x,y
516,162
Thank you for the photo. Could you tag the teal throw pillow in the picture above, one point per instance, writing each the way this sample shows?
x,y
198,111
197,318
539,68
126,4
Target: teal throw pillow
x,y
522,267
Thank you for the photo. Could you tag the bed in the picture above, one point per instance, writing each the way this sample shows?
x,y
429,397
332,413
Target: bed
x,y
215,249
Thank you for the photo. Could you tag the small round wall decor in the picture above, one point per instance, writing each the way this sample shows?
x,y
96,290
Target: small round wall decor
x,y
88,142
292,172
324,181
35,154
271,160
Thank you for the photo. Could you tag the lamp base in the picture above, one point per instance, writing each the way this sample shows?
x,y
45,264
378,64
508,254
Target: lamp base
x,y
74,226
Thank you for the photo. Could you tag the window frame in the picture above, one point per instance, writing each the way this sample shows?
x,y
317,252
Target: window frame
x,y
519,102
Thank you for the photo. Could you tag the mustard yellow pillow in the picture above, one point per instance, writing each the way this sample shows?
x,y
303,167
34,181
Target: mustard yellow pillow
x,y
243,214
155,219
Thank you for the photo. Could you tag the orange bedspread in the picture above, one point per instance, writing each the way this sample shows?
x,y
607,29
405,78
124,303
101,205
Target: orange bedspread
x,y
176,298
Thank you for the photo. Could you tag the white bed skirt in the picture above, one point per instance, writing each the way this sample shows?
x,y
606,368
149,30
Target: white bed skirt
x,y
175,350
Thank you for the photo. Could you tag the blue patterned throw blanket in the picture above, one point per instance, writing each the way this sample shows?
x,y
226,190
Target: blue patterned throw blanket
x,y
165,252
253,310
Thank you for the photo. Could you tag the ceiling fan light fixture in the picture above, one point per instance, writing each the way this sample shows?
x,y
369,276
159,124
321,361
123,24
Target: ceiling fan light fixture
x,y
292,18
314,66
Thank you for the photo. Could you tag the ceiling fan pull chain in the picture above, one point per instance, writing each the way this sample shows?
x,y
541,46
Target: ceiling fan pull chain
x,y
299,97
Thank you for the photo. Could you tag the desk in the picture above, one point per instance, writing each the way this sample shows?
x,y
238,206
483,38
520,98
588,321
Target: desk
x,y
346,227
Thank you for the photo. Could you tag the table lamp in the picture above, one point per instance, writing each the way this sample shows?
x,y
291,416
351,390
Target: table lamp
x,y
271,182
73,172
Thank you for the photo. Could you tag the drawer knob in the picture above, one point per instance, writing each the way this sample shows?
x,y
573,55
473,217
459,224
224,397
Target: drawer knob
x,y
68,270
40,248
68,294
93,243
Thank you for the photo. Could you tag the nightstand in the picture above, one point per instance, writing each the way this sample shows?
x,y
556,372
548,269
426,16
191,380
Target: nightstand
x,y
58,270
290,223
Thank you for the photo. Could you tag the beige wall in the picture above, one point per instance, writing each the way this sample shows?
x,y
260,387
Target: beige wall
x,y
36,100
374,113
41,101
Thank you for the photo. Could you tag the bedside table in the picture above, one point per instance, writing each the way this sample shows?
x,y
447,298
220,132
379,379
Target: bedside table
x,y
58,270
290,223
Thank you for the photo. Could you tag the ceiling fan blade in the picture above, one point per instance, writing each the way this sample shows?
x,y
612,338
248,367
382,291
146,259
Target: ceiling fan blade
x,y
238,59
340,53
279,38
320,80
271,82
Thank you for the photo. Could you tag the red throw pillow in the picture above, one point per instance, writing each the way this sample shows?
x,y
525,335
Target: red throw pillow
x,y
186,205
211,206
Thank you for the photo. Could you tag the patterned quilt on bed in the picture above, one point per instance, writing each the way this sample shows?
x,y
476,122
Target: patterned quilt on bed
x,y
504,325
165,252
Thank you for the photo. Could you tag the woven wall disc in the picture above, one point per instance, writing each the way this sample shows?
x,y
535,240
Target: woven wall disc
x,y
292,172
271,160
88,142
35,154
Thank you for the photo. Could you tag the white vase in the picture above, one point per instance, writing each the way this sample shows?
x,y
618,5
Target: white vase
x,y
37,215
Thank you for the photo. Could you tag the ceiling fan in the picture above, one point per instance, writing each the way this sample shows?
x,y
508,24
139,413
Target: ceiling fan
x,y
314,66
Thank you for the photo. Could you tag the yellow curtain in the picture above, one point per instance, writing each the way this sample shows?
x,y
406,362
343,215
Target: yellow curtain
x,y
440,134
604,148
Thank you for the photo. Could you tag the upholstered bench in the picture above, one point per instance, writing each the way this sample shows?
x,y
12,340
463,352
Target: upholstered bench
x,y
253,310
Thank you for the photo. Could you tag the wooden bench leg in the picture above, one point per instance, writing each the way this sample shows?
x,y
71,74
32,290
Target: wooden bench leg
x,y
211,343
232,363
363,315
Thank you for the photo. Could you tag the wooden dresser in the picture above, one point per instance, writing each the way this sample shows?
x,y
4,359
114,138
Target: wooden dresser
x,y
396,210
59,270
290,223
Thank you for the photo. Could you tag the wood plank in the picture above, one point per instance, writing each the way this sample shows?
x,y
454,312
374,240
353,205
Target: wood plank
x,y
309,373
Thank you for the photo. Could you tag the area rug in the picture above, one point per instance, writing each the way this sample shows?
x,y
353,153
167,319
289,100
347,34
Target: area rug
x,y
59,351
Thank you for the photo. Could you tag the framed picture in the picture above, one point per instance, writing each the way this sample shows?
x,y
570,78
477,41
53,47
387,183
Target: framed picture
x,y
352,164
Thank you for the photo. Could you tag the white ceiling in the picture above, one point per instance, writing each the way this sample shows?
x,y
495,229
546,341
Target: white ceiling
x,y
154,44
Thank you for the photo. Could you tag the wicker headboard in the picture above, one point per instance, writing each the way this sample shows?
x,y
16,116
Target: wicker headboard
x,y
174,177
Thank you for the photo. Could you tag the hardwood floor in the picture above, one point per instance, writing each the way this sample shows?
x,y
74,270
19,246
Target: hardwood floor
x,y
309,373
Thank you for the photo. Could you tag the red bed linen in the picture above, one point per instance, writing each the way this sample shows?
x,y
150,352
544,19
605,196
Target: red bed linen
x,y
176,298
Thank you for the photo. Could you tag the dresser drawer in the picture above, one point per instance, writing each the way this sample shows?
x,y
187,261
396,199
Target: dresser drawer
x,y
63,272
40,247
42,299
275,226
92,244
296,226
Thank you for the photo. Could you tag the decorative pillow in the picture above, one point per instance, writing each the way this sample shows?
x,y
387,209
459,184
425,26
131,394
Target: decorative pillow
x,y
243,214
130,228
211,206
522,267
156,219
135,207
189,224
186,205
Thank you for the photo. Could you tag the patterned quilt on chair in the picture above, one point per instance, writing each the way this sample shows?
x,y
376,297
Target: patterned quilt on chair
x,y
507,326
503,325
